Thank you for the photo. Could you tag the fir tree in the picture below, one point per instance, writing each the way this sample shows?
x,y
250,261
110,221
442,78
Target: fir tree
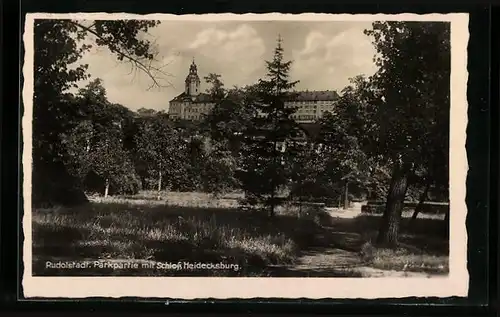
x,y
266,150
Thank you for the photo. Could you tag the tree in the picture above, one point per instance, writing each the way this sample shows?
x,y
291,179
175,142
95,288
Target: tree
x,y
219,168
264,152
158,146
97,145
346,136
146,112
110,161
58,48
412,116
230,118
216,90
311,172
78,144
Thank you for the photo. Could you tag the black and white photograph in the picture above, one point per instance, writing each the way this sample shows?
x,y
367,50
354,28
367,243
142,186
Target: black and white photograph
x,y
254,155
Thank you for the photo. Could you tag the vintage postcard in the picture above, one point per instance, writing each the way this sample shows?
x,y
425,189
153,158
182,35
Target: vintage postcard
x,y
243,156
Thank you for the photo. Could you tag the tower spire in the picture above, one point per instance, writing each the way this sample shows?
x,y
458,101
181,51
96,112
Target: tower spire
x,y
192,80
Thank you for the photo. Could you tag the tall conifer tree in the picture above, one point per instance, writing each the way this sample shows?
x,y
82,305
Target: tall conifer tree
x,y
266,152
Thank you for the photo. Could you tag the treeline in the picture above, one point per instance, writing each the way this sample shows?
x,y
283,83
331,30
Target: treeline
x,y
387,138
113,150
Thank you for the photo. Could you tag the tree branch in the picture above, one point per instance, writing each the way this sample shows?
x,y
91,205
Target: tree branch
x,y
154,73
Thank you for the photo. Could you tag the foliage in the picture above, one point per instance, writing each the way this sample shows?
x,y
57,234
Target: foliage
x,y
249,141
231,118
159,147
345,157
59,47
111,162
96,145
340,154
265,152
412,113
413,86
216,90
219,169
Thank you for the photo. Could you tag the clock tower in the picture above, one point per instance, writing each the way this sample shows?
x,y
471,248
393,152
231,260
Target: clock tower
x,y
192,87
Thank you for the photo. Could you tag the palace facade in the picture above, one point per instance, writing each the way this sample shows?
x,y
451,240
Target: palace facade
x,y
193,104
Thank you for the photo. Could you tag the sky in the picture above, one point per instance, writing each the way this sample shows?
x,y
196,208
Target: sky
x,y
325,55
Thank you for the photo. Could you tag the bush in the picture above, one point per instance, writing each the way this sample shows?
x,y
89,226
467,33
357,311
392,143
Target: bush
x,y
123,184
126,184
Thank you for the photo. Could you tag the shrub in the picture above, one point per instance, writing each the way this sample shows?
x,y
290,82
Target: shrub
x,y
126,184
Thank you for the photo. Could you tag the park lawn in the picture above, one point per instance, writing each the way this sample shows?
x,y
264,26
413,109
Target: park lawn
x,y
406,260
195,227
423,246
167,231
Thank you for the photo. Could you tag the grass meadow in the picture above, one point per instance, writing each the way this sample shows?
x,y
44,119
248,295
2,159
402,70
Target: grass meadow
x,y
154,232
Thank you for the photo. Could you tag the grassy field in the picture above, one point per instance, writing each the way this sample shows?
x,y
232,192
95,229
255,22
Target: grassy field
x,y
423,246
154,233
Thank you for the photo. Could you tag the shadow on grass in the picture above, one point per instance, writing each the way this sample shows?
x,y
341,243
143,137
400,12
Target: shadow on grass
x,y
257,244
426,235
423,244
162,233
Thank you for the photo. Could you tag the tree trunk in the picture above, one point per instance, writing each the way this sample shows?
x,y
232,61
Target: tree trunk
x,y
346,195
389,229
159,185
421,202
273,180
159,181
106,188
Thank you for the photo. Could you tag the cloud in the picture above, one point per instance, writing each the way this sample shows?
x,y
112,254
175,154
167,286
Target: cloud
x,y
328,61
232,50
325,55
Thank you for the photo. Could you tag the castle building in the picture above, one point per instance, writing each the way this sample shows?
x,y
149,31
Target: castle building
x,y
311,105
193,104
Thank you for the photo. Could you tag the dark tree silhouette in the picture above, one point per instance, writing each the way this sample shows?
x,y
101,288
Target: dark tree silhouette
x,y
58,45
413,85
266,140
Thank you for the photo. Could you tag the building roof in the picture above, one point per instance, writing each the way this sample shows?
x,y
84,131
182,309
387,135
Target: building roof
x,y
202,97
313,95
322,95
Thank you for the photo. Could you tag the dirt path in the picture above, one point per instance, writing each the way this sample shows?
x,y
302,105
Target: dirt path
x,y
332,260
